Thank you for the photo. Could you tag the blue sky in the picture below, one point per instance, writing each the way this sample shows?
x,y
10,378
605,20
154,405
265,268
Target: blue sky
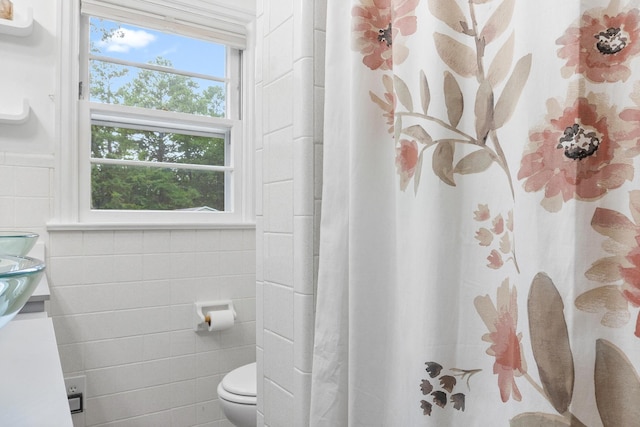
x,y
143,45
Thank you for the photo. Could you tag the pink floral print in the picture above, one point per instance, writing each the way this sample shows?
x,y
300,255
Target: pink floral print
x,y
501,320
575,155
406,161
377,25
602,44
622,266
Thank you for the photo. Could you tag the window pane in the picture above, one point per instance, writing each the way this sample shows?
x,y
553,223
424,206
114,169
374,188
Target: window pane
x,y
146,160
109,142
150,188
157,90
201,91
137,44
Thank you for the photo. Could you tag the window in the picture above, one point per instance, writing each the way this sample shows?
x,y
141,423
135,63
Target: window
x,y
160,129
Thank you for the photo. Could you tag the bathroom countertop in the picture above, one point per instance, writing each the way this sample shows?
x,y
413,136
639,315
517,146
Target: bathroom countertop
x,y
32,391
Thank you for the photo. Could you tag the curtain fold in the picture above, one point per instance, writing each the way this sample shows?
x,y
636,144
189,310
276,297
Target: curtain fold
x,y
480,231
331,351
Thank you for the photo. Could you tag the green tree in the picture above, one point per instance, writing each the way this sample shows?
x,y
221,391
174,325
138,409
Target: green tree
x,y
139,187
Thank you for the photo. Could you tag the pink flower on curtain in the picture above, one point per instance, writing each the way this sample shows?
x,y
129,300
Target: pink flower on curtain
x,y
602,44
482,214
495,260
496,235
376,24
623,244
502,321
406,161
631,277
576,155
632,115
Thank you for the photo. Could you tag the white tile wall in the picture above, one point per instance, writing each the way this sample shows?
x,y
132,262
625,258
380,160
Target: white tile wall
x,y
278,253
279,201
303,255
303,324
278,360
289,96
303,20
303,100
303,182
280,46
25,191
280,100
278,11
125,321
279,161
122,300
278,310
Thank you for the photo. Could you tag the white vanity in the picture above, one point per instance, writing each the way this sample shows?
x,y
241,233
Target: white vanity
x,y
32,389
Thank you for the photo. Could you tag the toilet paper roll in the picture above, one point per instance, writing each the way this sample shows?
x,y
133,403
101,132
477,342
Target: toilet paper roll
x,y
220,319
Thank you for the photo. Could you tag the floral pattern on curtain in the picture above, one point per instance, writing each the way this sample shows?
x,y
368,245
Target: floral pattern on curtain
x,y
451,124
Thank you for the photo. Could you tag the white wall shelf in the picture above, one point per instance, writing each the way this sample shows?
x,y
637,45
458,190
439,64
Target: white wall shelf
x,y
16,118
20,26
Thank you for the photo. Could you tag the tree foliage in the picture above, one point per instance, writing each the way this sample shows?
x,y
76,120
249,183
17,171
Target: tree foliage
x,y
154,188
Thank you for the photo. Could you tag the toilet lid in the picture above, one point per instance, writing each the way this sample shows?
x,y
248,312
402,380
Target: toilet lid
x,y
241,381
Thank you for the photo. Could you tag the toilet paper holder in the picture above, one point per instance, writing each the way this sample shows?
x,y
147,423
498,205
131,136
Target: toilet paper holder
x,y
202,320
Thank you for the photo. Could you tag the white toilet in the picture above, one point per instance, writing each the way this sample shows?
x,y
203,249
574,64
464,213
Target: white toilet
x,y
237,393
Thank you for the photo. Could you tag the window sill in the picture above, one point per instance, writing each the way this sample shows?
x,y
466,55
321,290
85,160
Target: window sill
x,y
95,226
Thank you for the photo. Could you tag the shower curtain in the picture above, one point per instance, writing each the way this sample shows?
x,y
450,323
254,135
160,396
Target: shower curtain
x,y
480,233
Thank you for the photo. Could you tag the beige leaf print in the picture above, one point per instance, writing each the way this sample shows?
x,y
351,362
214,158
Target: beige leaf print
x,y
506,104
484,236
425,93
403,93
453,99
505,244
442,161
418,173
607,299
615,225
459,57
617,386
498,22
476,162
484,111
448,12
550,341
501,64
606,270
419,133
531,419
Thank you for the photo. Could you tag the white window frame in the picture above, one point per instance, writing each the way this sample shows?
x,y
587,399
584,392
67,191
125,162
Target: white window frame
x,y
73,167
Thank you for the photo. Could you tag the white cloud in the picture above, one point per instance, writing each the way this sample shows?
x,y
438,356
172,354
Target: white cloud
x,y
124,39
168,51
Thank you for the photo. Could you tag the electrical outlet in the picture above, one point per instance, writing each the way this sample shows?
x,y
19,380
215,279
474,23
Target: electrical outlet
x,y
75,387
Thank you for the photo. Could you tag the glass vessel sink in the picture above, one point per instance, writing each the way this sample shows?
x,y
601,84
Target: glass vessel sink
x,y
16,243
19,277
